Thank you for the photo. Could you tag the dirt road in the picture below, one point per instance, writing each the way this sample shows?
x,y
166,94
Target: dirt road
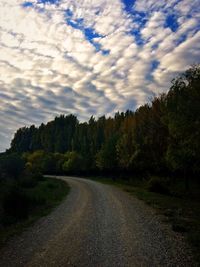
x,y
97,226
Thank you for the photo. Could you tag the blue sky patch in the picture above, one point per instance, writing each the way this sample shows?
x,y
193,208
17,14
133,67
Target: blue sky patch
x,y
138,38
140,19
31,4
171,22
68,13
105,52
181,39
128,4
27,4
89,33
48,1
154,65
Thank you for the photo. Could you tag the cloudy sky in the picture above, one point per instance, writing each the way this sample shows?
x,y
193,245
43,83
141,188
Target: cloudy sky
x,y
89,57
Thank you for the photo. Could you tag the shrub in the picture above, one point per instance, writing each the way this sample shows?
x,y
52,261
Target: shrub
x,y
15,205
18,203
73,162
37,200
157,185
38,177
28,182
12,165
51,185
179,227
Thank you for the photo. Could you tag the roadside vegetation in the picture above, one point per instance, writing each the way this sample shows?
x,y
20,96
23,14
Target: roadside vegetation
x,y
24,195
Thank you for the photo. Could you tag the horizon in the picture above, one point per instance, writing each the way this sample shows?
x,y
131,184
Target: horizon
x,y
88,58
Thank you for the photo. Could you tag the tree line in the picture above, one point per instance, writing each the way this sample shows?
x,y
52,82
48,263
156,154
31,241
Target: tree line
x,y
161,137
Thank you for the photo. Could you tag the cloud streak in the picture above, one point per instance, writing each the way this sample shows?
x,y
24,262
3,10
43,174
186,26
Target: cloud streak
x,y
89,58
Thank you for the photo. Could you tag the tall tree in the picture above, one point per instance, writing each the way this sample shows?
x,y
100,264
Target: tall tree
x,y
183,113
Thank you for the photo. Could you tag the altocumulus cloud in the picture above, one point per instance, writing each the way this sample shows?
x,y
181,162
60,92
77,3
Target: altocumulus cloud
x,y
89,56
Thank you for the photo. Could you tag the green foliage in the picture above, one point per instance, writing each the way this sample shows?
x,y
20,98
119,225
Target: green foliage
x,y
24,192
15,204
28,181
73,162
157,185
56,136
34,203
17,177
106,158
183,119
12,165
125,146
35,160
40,162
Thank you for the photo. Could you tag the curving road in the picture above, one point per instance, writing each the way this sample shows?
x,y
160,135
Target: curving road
x,y
99,226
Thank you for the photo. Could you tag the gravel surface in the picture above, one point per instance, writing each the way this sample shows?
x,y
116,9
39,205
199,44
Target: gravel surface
x,y
99,226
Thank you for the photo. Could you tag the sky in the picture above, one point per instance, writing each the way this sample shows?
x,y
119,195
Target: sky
x,y
89,57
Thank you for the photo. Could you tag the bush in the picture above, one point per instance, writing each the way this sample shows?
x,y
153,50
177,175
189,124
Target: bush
x,y
35,175
51,185
16,205
157,185
38,177
37,200
12,165
28,182
73,162
179,227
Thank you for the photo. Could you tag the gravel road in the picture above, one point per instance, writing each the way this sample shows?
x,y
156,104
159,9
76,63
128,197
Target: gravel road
x,y
97,226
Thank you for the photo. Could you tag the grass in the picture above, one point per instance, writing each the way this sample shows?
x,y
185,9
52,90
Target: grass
x,y
182,212
48,193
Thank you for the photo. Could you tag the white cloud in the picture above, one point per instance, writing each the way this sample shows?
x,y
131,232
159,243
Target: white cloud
x,y
183,56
